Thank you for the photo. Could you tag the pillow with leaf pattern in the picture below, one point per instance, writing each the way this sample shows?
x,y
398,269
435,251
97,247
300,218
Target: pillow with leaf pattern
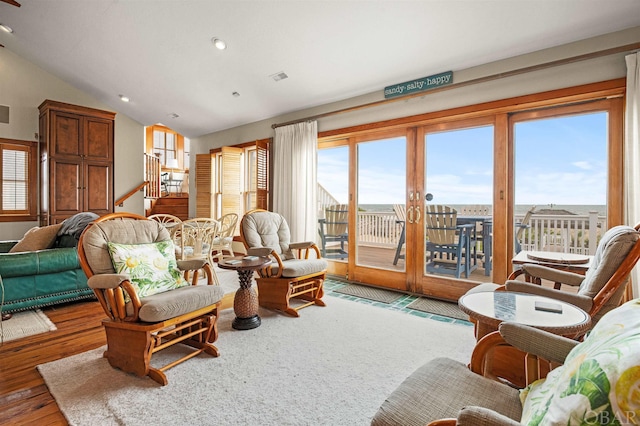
x,y
152,267
599,383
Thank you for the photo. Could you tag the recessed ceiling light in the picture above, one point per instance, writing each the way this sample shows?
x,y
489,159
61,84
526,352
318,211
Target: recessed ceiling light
x,y
6,28
124,98
219,43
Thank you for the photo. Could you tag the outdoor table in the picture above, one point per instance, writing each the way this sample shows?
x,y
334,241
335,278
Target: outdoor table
x,y
487,223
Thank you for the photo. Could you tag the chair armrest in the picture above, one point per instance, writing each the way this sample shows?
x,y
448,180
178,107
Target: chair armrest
x,y
551,274
105,281
191,264
304,248
537,342
443,422
261,251
110,290
302,245
583,302
480,416
268,271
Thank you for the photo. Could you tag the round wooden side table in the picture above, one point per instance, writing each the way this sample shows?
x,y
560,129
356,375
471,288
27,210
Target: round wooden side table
x,y
245,302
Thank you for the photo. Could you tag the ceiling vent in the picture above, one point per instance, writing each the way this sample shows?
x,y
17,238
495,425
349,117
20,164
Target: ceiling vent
x,y
279,76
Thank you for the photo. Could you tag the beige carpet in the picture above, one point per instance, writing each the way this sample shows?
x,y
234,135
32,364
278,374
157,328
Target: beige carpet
x,y
23,324
438,307
333,365
371,293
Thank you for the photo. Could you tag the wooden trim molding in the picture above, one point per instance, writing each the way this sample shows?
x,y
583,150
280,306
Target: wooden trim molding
x,y
576,94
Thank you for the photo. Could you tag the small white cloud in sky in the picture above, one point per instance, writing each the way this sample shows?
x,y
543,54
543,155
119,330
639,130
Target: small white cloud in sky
x,y
584,165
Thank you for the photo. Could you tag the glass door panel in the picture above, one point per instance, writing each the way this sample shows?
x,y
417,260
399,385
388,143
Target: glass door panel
x,y
333,200
458,208
561,183
381,189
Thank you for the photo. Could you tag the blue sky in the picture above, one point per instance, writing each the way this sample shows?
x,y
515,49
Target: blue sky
x,y
558,161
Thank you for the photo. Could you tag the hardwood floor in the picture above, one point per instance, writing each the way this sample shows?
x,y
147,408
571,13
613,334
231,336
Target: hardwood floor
x,y
24,397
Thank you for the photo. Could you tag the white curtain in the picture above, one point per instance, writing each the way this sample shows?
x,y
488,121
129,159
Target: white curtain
x,y
295,151
632,150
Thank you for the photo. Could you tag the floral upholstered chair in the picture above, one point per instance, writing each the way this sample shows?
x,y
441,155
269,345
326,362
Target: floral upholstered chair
x,y
131,265
597,382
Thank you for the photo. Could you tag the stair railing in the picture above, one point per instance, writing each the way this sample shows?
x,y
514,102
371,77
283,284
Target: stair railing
x,y
152,173
120,202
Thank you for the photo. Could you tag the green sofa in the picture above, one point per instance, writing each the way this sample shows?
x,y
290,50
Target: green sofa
x,y
35,279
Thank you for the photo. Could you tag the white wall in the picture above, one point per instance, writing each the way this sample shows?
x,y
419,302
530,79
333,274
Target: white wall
x,y
23,87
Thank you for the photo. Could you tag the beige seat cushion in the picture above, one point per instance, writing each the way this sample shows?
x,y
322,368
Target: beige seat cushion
x,y
440,389
173,303
38,238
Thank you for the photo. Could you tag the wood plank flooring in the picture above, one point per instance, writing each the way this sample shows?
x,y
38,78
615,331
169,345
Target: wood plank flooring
x,y
24,397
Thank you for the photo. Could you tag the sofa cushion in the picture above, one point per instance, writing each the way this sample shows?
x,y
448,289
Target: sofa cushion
x,y
38,238
152,267
599,382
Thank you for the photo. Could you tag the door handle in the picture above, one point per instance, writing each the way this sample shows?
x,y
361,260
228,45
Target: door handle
x,y
418,216
410,214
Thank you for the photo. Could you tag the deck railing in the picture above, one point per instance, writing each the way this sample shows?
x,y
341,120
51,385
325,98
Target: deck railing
x,y
577,234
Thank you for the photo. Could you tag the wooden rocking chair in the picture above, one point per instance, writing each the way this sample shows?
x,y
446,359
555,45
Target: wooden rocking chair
x,y
290,276
144,316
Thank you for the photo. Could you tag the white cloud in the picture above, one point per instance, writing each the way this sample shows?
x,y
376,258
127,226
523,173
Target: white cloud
x,y
584,165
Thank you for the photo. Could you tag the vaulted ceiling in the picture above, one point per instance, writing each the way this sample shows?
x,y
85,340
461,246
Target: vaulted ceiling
x,y
160,53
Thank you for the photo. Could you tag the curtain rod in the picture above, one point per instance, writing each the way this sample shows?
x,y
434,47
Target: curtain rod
x,y
611,51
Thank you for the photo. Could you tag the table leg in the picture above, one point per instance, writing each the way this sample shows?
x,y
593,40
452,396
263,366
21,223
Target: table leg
x,y
245,303
487,249
400,244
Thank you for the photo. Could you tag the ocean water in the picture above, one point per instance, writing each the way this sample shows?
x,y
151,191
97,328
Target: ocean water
x,y
520,209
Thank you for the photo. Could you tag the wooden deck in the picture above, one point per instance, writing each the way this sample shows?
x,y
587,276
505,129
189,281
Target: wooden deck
x,y
382,258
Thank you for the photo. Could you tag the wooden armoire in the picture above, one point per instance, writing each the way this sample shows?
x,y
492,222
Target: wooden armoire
x,y
76,161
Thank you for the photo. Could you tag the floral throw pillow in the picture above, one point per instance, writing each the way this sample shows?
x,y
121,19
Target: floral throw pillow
x,y
599,383
152,267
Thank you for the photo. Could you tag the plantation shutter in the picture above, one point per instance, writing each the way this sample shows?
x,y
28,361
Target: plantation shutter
x,y
262,173
204,199
15,179
231,180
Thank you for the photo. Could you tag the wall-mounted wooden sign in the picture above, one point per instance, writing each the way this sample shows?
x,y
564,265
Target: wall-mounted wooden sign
x,y
419,85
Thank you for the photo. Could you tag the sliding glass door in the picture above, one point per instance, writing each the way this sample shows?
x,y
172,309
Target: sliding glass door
x,y
480,170
454,227
561,175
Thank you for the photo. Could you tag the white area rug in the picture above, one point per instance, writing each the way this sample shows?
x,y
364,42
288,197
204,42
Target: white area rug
x,y
332,366
23,324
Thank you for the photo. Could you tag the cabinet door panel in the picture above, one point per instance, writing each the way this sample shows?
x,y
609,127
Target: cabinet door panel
x,y
66,194
66,135
99,136
98,188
